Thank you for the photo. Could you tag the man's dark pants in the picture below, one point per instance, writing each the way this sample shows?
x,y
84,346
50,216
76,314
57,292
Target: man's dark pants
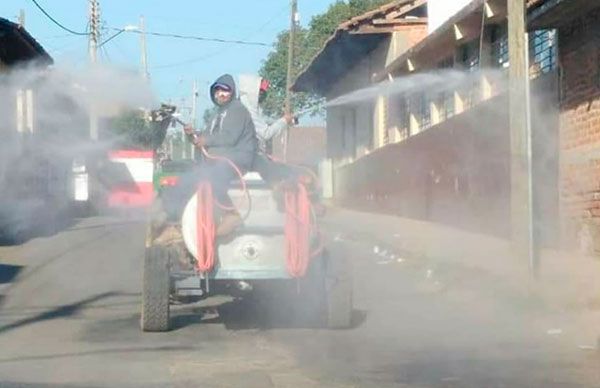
x,y
218,173
273,172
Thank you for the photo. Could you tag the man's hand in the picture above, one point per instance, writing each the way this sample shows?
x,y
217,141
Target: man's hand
x,y
199,141
289,118
188,129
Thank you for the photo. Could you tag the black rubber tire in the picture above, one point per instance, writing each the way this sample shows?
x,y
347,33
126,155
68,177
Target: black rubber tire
x,y
309,294
156,288
338,292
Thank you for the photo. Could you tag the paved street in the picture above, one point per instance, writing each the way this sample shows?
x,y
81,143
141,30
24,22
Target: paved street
x,y
70,310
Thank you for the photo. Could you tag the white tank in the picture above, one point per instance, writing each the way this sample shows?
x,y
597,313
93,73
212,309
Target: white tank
x,y
441,10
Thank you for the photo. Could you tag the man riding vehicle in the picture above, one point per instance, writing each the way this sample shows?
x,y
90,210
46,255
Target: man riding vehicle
x,y
253,90
230,137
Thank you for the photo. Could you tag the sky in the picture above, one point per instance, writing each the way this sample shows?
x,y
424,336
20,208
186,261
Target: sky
x,y
173,64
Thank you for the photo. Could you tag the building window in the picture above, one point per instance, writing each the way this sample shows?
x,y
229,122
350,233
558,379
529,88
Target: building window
x,y
421,111
403,117
500,46
471,93
469,56
542,52
447,63
445,103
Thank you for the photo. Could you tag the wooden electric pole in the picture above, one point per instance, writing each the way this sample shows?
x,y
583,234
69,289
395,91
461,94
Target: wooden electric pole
x,y
290,68
94,38
194,112
520,137
144,50
290,64
22,18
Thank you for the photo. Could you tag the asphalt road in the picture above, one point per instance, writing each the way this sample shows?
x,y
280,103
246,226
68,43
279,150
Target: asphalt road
x,y
69,316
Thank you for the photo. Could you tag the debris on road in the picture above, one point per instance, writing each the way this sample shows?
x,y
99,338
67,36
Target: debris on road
x,y
587,348
554,332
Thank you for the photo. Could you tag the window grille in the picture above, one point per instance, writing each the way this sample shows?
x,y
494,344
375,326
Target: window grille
x,y
542,52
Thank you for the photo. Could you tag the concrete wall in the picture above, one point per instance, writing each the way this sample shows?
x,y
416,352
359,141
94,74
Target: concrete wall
x,y
458,172
359,121
365,123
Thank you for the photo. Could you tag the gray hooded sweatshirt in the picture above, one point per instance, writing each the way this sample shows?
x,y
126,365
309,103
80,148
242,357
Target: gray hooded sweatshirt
x,y
249,94
231,133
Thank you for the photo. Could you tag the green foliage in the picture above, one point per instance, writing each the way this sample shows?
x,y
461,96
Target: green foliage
x,y
308,41
132,130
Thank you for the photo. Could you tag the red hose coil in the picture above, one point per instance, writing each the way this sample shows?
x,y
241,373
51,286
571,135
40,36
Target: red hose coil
x,y
205,228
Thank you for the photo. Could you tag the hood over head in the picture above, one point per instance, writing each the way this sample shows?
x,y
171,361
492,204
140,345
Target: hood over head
x,y
225,79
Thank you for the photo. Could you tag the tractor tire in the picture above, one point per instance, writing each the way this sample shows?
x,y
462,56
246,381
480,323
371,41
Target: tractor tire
x,y
309,294
338,292
156,288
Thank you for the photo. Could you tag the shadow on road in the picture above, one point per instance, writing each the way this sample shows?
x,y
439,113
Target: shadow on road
x,y
64,311
256,313
457,370
165,348
59,255
126,222
45,224
9,272
14,384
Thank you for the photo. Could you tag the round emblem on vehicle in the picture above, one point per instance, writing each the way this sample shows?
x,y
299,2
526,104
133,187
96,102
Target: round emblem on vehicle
x,y
250,250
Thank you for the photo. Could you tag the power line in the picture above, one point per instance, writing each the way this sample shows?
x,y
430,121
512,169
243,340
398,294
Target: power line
x,y
200,38
284,9
189,61
56,22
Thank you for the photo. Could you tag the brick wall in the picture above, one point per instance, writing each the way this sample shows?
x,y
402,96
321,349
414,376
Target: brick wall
x,y
306,146
580,132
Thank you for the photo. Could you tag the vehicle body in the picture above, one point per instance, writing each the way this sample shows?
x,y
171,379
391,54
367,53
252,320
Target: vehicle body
x,y
254,255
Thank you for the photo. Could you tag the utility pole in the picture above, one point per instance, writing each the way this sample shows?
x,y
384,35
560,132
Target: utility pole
x,y
94,38
22,18
194,112
290,68
184,139
144,51
520,138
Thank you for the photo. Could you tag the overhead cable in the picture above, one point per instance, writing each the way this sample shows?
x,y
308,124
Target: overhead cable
x,y
200,38
57,22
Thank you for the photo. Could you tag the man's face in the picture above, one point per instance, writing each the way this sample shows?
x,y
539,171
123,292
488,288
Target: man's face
x,y
222,96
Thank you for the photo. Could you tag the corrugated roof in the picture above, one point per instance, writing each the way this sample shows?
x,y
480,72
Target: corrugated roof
x,y
17,45
368,16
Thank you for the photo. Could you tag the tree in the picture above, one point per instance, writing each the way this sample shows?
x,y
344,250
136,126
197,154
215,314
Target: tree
x,y
131,129
308,41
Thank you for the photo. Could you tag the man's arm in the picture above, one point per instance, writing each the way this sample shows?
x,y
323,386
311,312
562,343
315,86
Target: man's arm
x,y
274,129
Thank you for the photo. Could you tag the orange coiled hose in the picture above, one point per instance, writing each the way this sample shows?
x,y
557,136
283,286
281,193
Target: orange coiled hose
x,y
298,231
299,225
205,224
205,228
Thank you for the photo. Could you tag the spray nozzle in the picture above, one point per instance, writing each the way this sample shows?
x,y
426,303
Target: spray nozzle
x,y
165,112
